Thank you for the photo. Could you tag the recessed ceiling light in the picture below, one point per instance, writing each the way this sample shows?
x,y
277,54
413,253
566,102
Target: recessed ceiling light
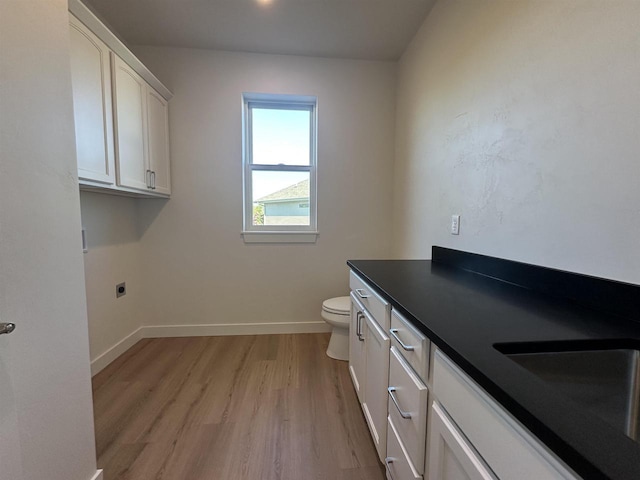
x,y
264,3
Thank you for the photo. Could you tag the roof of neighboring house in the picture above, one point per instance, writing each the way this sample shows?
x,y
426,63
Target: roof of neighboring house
x,y
292,192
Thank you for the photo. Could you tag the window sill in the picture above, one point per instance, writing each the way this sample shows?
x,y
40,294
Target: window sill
x,y
280,237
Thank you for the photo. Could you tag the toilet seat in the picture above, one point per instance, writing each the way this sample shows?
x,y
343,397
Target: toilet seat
x,y
337,306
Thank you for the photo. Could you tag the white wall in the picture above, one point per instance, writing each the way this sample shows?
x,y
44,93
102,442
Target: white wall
x,y
45,389
197,269
524,118
113,257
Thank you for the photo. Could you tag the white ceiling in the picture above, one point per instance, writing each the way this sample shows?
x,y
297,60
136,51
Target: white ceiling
x,y
364,29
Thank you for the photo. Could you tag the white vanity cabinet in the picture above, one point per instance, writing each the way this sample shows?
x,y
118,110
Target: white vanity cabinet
x,y
357,350
408,396
451,457
91,79
374,404
443,426
471,436
408,400
369,357
413,345
440,424
399,467
373,303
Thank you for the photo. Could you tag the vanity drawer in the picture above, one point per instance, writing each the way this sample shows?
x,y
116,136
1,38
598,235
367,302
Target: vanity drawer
x,y
413,345
408,397
398,464
378,307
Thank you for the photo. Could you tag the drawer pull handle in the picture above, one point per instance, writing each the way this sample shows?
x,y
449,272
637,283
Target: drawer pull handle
x,y
403,414
394,334
361,293
388,461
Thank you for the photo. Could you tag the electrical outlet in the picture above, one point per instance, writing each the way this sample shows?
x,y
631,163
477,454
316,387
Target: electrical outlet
x,y
455,224
121,289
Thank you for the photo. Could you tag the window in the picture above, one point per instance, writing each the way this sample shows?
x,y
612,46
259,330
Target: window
x,y
279,160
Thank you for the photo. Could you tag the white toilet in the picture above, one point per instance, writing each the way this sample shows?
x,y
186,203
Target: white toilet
x,y
337,313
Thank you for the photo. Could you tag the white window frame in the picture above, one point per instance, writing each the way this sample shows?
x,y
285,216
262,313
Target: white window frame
x,y
278,233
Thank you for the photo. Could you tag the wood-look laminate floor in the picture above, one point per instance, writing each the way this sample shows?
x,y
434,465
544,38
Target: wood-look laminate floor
x,y
266,407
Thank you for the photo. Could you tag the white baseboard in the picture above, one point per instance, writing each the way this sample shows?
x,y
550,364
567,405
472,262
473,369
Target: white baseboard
x,y
104,359
206,330
214,330
97,476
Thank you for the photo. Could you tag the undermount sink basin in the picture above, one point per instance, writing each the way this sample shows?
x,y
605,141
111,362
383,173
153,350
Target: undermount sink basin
x,y
605,381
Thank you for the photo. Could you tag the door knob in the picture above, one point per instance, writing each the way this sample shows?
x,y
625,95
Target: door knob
x,y
7,328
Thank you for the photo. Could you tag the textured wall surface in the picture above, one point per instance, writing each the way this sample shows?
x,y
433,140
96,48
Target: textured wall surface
x,y
524,118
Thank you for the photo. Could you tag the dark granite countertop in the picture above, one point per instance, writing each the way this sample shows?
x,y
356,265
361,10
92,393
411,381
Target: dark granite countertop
x,y
465,314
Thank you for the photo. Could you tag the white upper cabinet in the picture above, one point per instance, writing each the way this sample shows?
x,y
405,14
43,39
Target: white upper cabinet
x,y
91,77
158,126
130,112
142,132
121,113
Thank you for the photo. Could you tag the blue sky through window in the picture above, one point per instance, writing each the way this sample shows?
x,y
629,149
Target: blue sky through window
x,y
279,137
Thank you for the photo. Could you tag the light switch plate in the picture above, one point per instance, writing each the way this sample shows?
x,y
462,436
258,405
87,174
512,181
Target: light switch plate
x,y
455,224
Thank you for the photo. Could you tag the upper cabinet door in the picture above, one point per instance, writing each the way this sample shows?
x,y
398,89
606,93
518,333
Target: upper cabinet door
x,y
130,105
158,121
91,77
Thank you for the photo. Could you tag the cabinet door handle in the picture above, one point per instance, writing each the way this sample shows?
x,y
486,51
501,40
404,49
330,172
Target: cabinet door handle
x,y
148,178
403,414
153,180
361,293
388,461
359,326
6,328
394,334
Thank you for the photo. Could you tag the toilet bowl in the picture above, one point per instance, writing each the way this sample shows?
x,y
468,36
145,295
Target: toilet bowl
x,y
337,313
